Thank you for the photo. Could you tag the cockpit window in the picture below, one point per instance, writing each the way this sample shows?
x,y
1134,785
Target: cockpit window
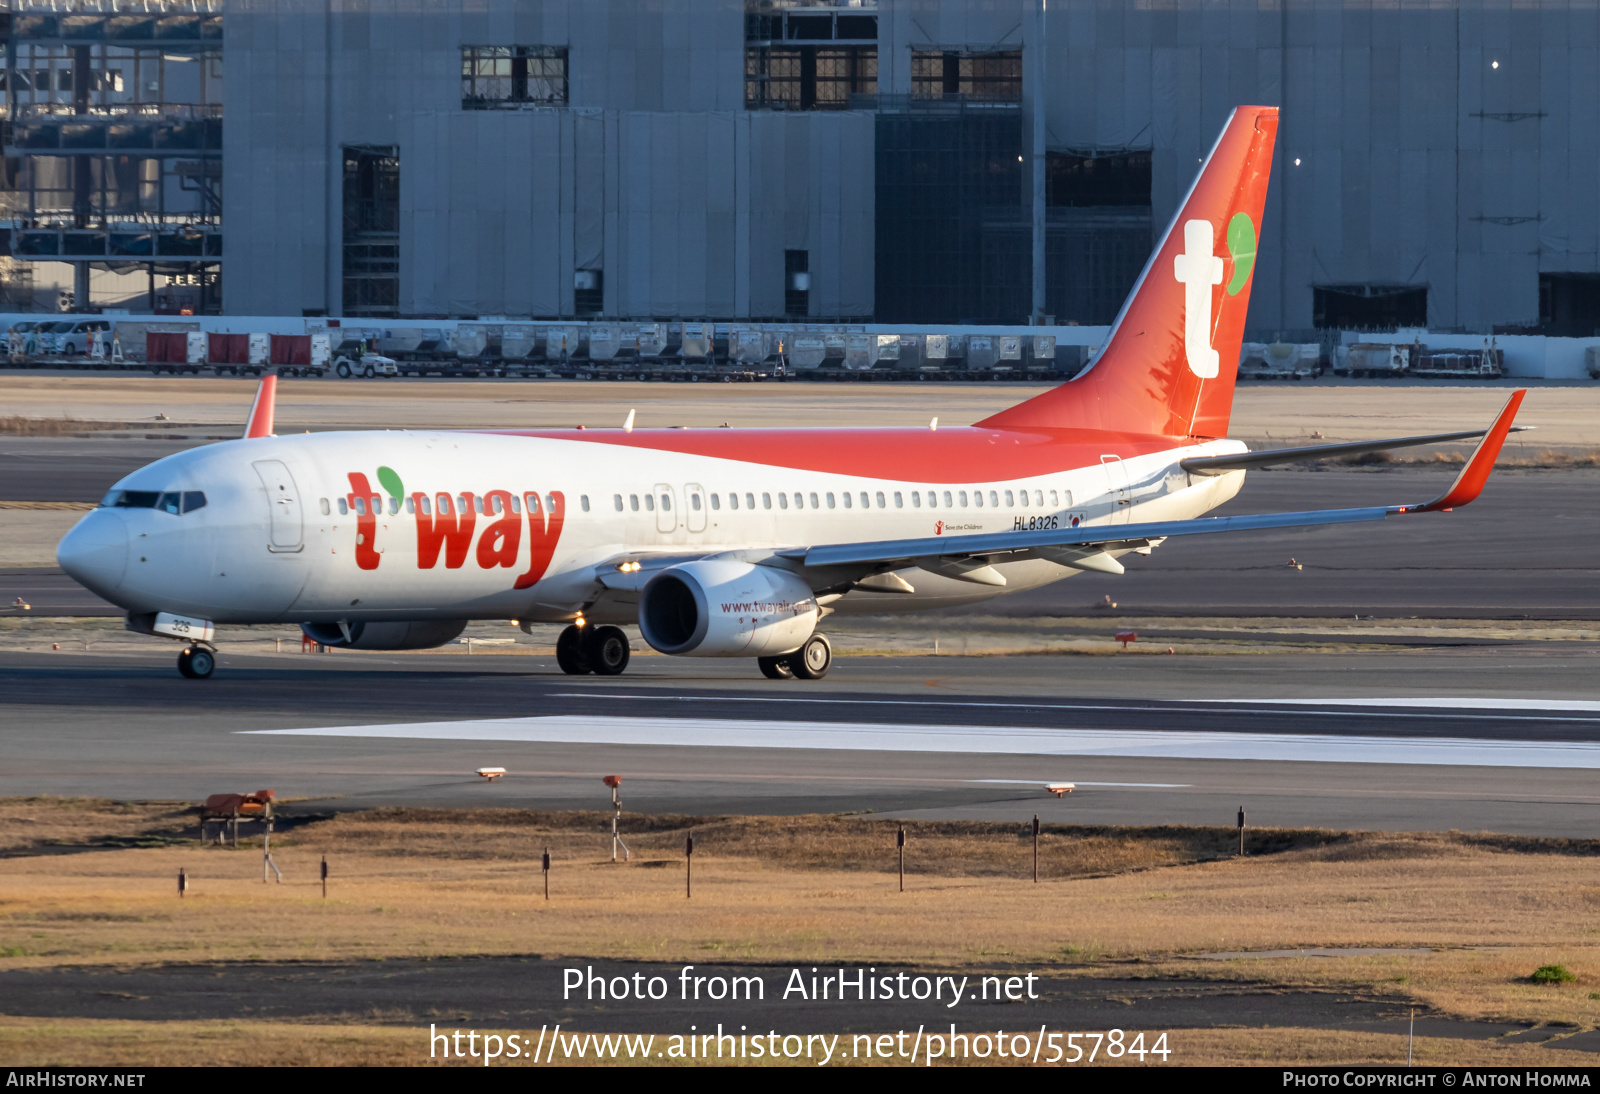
x,y
133,499
171,503
193,499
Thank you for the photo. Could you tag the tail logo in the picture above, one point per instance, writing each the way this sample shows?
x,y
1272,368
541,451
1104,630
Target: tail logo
x,y
1198,269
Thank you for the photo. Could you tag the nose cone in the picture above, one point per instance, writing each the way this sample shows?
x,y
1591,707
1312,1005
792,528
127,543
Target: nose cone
x,y
95,552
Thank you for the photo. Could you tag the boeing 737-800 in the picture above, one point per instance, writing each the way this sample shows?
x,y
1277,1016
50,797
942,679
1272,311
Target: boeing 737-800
x,y
728,542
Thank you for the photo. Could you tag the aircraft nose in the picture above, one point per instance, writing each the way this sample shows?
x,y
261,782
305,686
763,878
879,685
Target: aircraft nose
x,y
95,552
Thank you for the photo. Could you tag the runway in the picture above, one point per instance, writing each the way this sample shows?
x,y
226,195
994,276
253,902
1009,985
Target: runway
x,y
1393,741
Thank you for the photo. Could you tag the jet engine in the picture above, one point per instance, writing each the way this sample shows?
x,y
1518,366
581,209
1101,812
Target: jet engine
x,y
715,608
415,634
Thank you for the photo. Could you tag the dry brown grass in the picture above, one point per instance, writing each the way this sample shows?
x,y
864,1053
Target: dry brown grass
x,y
1120,902
19,425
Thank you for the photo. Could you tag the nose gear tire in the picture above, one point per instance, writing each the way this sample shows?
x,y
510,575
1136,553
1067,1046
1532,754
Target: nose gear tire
x,y
570,653
196,662
606,650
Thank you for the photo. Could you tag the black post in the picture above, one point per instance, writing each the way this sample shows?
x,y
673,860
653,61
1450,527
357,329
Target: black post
x,y
183,882
900,842
1036,848
688,866
1241,829
324,877
547,873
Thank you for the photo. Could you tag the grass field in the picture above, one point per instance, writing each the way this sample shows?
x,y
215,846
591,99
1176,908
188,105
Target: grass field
x,y
86,882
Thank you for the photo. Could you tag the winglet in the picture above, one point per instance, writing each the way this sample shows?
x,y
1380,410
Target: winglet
x,y
261,411
1470,482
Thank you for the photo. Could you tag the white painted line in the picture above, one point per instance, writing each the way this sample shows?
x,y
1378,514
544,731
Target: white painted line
x,y
1468,702
1080,782
1258,706
979,740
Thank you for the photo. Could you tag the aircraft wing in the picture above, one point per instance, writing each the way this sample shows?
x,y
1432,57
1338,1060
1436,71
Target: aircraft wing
x,y
968,556
1215,465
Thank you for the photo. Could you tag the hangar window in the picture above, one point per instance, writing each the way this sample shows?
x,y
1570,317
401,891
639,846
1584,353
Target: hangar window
x,y
812,60
978,76
511,77
1369,307
1569,304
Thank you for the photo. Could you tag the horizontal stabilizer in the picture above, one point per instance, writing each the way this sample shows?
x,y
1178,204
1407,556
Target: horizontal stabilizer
x,y
1215,465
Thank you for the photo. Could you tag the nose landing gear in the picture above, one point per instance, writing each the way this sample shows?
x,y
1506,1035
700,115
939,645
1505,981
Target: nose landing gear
x,y
197,662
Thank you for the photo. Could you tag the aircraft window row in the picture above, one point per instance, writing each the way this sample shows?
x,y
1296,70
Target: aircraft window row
x,y
953,499
495,505
170,501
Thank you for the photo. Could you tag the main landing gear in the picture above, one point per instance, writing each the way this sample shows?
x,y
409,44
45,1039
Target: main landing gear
x,y
198,661
601,650
810,662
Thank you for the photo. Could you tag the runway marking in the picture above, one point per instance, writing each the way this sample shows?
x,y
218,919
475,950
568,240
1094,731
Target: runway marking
x,y
1080,782
1460,703
1125,707
978,740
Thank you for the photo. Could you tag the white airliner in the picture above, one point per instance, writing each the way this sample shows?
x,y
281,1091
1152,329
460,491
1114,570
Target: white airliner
x,y
728,542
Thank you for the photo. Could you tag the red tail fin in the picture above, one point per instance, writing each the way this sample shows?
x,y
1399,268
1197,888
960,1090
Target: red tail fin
x,y
1171,358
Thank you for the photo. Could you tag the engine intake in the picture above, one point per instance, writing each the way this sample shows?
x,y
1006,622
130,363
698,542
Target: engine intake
x,y
716,608
404,634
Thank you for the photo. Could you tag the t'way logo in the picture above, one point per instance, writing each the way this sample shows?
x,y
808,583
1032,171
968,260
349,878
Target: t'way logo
x,y
1198,269
448,524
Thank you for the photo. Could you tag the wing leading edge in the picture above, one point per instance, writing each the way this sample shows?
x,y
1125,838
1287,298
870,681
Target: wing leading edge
x,y
1468,484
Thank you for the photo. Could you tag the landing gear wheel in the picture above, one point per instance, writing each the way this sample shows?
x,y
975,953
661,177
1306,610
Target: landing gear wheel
x,y
812,660
606,650
196,662
775,668
570,654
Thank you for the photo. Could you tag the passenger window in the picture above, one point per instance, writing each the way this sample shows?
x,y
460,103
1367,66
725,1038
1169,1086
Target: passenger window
x,y
583,502
716,502
496,504
749,500
847,499
171,503
1053,498
533,502
994,499
343,508
394,505
963,497
814,504
831,501
1038,497
427,506
881,504
799,500
865,502
977,498
361,506
616,499
377,505
411,505
783,501
666,502
464,503
1067,495
733,499
478,504
1010,500
516,505
948,504
650,502
916,499
633,500
899,503
694,502
445,508
325,507
766,500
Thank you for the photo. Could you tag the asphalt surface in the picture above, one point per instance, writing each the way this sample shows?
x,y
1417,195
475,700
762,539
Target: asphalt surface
x,y
127,726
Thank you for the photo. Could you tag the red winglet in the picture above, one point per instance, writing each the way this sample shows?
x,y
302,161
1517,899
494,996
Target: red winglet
x,y
1470,482
260,424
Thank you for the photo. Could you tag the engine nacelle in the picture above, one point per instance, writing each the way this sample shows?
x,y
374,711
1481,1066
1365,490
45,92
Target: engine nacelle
x,y
714,608
412,634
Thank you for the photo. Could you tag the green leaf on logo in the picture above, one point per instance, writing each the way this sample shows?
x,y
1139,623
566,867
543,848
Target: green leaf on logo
x,y
391,482
1242,245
